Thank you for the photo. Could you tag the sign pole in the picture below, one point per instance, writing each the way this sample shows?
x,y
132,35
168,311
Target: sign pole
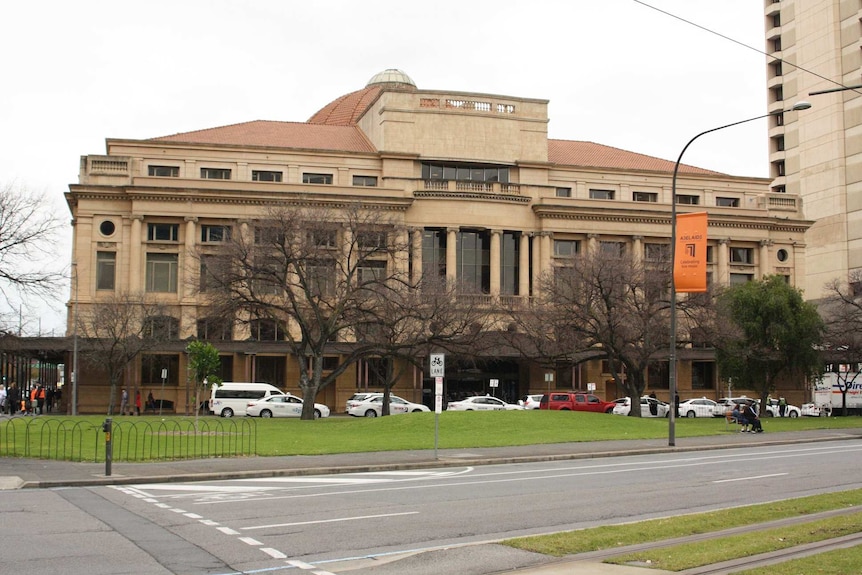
x,y
438,370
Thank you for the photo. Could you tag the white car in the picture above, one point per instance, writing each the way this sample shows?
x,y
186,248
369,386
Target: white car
x,y
358,398
287,405
789,410
482,403
623,407
697,407
814,410
531,401
373,406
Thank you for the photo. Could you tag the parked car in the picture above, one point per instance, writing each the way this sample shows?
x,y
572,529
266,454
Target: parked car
x,y
725,405
287,405
623,407
373,406
358,398
814,410
789,410
482,403
530,401
576,401
698,407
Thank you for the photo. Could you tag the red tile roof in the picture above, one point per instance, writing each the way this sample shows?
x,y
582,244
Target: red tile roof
x,y
346,110
592,155
279,135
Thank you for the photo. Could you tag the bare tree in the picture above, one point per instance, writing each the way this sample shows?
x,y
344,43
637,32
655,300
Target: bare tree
x,y
308,275
117,329
608,301
27,247
841,310
406,323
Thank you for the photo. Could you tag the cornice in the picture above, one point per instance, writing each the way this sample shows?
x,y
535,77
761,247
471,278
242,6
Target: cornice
x,y
466,195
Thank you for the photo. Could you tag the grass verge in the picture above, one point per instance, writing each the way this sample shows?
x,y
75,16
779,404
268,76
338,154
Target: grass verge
x,y
715,550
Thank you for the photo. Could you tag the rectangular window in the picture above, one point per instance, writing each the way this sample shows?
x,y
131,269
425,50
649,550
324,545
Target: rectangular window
x,y
106,265
612,249
687,199
370,271
645,197
564,192
369,181
710,254
309,178
322,238
657,252
727,202
265,176
371,240
214,273
776,44
162,273
738,279
215,173
321,277
163,232
566,248
215,234
601,194
742,256
268,236
164,171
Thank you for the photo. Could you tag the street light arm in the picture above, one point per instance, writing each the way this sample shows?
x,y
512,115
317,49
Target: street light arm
x,y
672,387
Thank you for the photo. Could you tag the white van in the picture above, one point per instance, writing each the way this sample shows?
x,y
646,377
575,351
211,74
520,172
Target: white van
x,y
230,398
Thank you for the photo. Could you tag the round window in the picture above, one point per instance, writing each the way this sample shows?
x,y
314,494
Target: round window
x,y
107,228
782,255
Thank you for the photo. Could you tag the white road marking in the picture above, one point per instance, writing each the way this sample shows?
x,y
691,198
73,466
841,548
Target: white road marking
x,y
749,478
274,553
337,520
227,531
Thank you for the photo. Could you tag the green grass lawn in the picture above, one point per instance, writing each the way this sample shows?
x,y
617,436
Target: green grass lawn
x,y
344,434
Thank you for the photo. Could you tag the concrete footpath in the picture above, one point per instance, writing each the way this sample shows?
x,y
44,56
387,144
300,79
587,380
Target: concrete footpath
x,y
31,473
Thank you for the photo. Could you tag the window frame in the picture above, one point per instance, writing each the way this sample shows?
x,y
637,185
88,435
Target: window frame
x,y
172,171
216,173
310,177
270,176
155,275
602,194
364,181
170,233
106,271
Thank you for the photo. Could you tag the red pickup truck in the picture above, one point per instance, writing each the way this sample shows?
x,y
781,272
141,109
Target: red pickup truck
x,y
576,401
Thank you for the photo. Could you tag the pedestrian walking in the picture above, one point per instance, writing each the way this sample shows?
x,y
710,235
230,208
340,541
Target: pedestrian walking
x,y
40,399
124,401
782,406
138,402
151,402
2,399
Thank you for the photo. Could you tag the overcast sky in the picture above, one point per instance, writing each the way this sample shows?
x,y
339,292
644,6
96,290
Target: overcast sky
x,y
616,72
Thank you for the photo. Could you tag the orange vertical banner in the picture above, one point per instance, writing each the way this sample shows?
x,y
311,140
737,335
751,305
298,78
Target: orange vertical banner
x,y
689,265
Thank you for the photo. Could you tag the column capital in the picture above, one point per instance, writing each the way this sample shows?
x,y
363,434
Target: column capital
x,y
191,218
638,238
723,241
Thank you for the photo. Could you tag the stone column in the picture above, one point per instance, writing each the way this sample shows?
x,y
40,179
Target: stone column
x,y
524,266
189,259
547,252
763,265
537,262
496,236
416,254
452,254
723,260
638,249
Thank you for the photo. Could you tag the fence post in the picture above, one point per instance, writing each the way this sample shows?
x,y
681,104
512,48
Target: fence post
x,y
109,448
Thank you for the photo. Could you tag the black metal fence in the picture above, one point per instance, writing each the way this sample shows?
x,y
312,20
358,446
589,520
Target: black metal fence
x,y
138,439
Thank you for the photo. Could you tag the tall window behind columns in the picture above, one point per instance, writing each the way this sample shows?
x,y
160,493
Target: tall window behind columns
x,y
510,262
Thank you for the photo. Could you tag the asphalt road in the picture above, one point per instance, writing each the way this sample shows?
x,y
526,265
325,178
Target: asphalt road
x,y
393,520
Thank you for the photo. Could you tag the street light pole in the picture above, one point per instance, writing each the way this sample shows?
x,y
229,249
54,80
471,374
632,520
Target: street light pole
x,y
75,343
672,355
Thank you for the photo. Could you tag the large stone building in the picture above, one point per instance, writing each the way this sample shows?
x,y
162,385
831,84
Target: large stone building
x,y
472,179
814,54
